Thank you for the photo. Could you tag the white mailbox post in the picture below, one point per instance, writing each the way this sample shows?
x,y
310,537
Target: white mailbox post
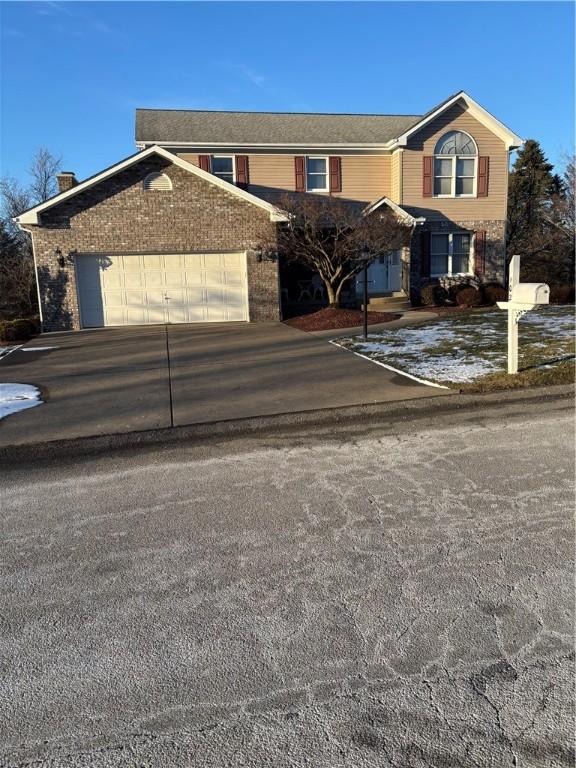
x,y
522,297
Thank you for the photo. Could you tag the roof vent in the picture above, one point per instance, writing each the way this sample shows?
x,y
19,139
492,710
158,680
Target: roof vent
x,y
157,182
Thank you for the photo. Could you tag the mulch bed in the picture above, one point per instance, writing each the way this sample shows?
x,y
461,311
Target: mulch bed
x,y
330,319
446,310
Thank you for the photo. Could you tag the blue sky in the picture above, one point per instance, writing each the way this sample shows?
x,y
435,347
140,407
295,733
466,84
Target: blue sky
x,y
74,72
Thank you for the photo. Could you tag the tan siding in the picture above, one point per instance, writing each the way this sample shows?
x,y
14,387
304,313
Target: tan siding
x,y
190,158
273,172
492,207
365,177
395,184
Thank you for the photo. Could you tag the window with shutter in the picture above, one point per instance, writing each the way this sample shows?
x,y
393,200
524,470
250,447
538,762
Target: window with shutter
x,y
480,252
204,163
223,167
483,168
455,165
335,164
300,174
242,178
317,174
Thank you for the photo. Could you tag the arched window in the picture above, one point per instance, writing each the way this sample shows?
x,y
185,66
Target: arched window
x,y
455,165
157,182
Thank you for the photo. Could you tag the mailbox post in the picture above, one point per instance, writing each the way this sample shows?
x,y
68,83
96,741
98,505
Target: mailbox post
x,y
522,297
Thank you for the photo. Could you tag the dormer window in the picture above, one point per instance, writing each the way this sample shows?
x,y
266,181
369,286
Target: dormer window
x,y
157,182
455,165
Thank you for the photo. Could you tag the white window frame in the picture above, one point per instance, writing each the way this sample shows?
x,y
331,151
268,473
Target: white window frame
x,y
454,159
327,161
229,157
450,236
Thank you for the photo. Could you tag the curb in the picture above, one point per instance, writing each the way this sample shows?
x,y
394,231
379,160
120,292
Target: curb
x,y
354,416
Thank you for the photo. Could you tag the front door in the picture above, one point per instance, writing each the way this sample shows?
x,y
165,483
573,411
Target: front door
x,y
393,271
384,275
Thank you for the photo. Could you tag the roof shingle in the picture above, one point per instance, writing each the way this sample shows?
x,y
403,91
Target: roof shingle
x,y
203,127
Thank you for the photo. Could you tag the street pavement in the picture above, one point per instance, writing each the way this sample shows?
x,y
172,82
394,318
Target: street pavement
x,y
380,597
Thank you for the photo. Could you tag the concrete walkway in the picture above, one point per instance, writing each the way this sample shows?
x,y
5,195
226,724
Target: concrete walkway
x,y
118,380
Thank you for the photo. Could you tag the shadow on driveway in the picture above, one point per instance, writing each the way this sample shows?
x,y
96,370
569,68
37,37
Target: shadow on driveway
x,y
115,380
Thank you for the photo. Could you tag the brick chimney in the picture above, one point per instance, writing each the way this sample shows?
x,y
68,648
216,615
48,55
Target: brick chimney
x,y
66,180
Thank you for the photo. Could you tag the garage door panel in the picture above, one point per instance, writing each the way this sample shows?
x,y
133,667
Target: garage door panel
x,y
129,263
133,279
152,262
114,299
232,261
154,278
150,288
174,279
111,279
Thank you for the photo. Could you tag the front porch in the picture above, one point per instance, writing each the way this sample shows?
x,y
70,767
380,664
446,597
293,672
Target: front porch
x,y
302,291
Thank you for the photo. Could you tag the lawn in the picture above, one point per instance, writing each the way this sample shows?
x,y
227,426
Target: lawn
x,y
468,351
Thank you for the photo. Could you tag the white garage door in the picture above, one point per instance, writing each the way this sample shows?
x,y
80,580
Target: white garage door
x,y
141,289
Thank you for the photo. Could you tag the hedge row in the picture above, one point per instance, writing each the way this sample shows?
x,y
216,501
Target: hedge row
x,y
18,330
435,295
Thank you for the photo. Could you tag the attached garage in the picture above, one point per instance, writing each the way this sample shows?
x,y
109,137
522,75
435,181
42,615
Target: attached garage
x,y
123,249
140,289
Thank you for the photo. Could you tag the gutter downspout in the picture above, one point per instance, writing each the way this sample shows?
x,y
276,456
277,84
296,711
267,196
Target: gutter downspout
x,y
35,271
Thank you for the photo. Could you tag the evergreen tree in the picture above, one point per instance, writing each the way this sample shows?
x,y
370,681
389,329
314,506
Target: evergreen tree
x,y
530,188
537,204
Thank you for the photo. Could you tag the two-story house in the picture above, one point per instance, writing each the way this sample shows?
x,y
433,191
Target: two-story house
x,y
171,233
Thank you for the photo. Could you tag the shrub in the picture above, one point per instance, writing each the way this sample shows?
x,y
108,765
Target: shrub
x,y
433,295
18,330
469,297
562,294
494,292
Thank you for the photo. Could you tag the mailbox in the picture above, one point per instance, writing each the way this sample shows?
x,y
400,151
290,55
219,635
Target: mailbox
x,y
530,293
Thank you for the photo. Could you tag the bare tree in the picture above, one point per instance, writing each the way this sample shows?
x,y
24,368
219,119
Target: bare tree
x,y
334,237
17,278
14,199
43,170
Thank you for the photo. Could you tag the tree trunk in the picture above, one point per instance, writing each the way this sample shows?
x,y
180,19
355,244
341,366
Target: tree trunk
x,y
333,295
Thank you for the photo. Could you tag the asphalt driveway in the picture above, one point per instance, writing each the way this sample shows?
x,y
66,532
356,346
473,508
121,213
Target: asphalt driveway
x,y
115,380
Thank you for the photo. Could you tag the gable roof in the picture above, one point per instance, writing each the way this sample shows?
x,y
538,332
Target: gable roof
x,y
400,212
212,129
31,215
181,127
511,140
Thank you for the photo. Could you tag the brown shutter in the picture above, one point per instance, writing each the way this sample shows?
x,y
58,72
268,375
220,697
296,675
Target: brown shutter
x,y
427,165
335,174
242,179
425,254
300,173
483,166
204,162
480,252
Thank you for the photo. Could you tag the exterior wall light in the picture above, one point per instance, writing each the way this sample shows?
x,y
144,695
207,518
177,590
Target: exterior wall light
x,y
60,258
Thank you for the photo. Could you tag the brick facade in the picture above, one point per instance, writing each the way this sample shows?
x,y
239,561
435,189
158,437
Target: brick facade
x,y
118,216
495,251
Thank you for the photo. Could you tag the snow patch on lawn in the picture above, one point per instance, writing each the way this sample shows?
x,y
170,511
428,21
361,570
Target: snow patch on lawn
x,y
18,397
460,349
